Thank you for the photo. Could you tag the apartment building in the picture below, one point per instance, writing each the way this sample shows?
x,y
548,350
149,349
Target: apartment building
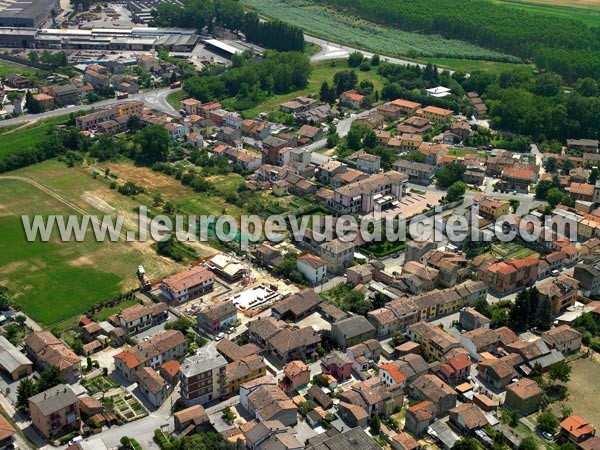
x,y
203,376
187,285
505,276
46,350
362,197
55,411
137,318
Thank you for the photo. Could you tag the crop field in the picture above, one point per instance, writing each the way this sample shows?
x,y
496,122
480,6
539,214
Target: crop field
x,y
26,136
54,280
343,27
585,11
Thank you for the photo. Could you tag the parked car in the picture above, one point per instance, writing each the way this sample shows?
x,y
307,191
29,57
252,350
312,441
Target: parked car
x,y
219,336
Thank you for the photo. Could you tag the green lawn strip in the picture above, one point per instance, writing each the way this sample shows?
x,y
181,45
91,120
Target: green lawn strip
x,y
107,312
589,16
470,65
27,137
174,99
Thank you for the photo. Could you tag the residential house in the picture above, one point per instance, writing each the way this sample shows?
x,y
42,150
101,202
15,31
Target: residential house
x,y
309,132
12,362
576,430
468,418
364,354
55,412
46,101
499,372
67,94
508,275
186,285
203,376
269,402
516,179
46,351
419,417
431,388
217,317
523,396
352,99
191,420
266,255
298,105
353,415
414,125
351,331
138,318
337,254
404,441
583,145
295,375
561,291
290,343
416,249
96,79
418,173
316,394
435,114
154,387
368,163
271,434
480,340
337,364
489,208
455,368
7,432
434,341
391,375
581,191
313,268
297,306
191,106
428,276
17,81
375,396
470,319
151,353
563,338
406,107
170,371
241,371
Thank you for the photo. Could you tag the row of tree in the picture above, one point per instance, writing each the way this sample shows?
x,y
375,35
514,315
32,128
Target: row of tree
x,y
201,14
251,83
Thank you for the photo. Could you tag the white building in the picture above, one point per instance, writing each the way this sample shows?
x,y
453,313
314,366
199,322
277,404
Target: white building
x,y
313,268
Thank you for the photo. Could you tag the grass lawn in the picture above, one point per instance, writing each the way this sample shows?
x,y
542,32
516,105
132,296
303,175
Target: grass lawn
x,y
469,65
583,388
321,71
107,312
14,138
461,152
174,99
587,12
73,276
6,68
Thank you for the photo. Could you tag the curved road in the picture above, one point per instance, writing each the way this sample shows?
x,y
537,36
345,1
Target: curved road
x,y
155,99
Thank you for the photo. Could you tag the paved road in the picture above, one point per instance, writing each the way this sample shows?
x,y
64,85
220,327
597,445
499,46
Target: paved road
x,y
155,99
330,50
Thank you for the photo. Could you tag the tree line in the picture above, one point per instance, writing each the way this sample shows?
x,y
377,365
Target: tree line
x,y
230,14
250,84
563,45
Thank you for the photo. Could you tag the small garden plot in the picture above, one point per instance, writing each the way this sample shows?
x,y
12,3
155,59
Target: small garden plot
x,y
100,384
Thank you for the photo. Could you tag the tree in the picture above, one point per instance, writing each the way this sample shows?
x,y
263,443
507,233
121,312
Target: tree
x,y
33,106
25,390
528,443
228,414
544,314
355,59
450,174
560,372
327,94
5,301
594,173
542,188
482,306
565,411
588,87
354,138
152,144
182,324
456,191
547,422
519,316
49,378
370,139
567,166
375,425
333,140
320,380
466,443
551,165
205,441
375,59
554,197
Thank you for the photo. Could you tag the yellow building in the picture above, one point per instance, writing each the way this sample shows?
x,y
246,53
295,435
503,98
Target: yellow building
x,y
492,209
244,370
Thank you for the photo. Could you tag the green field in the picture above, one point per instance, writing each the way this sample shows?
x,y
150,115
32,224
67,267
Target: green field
x,y
589,16
27,136
7,68
343,27
469,65
55,280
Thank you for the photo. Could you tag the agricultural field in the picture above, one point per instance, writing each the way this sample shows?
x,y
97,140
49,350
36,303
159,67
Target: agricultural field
x,y
512,250
321,71
351,30
586,11
69,276
583,388
27,135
